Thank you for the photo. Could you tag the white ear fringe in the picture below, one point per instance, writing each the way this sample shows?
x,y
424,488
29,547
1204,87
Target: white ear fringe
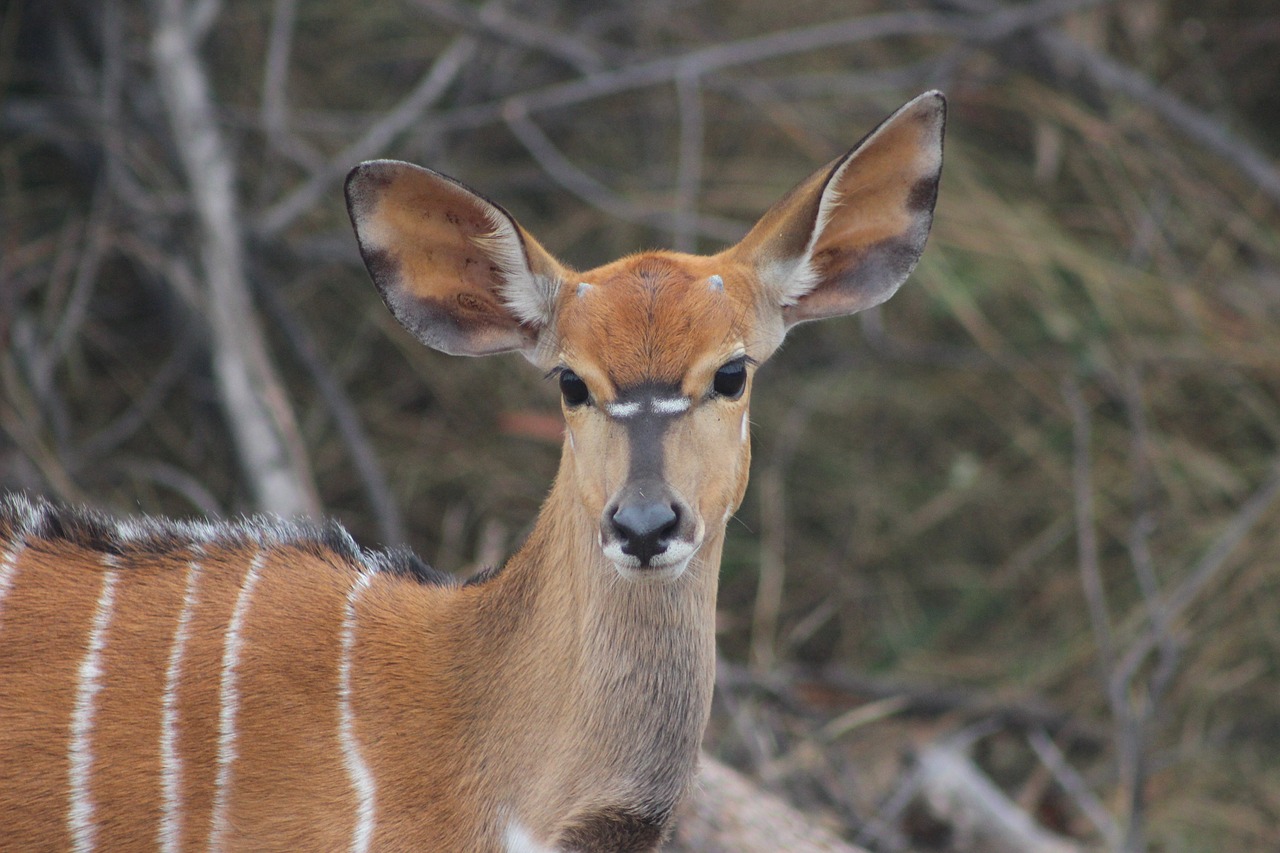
x,y
792,279
530,297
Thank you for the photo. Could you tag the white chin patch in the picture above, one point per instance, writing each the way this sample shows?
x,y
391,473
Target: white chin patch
x,y
667,566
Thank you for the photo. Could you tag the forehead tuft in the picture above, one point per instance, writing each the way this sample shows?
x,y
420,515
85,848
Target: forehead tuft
x,y
650,317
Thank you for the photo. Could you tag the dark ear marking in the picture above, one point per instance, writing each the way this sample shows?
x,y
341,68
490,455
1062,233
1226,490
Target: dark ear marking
x,y
454,268
847,237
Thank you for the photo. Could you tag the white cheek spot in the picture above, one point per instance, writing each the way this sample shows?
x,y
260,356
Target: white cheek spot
x,y
622,410
669,405
583,289
746,428
716,283
569,433
518,840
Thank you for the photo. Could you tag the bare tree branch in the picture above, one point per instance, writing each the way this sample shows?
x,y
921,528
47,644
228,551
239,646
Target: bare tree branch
x,y
578,182
390,520
375,140
702,62
1210,564
493,20
275,79
688,164
1086,530
257,408
1112,75
726,813
981,817
1067,777
1194,124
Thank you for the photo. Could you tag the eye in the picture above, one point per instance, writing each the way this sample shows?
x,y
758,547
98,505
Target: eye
x,y
573,388
730,379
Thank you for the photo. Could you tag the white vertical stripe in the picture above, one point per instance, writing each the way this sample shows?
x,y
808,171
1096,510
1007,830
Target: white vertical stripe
x,y
80,756
9,568
361,778
170,833
231,702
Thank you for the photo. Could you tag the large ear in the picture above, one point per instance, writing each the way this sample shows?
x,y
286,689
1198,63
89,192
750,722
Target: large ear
x,y
454,268
847,237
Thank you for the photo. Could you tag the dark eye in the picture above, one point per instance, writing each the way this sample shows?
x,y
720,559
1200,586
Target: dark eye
x,y
573,388
730,380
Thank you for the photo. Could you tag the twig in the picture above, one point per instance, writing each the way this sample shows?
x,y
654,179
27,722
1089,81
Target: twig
x,y
706,61
1127,727
1194,124
981,817
275,78
1086,531
1133,762
564,172
688,163
1076,788
727,813
771,489
76,308
110,117
18,419
386,511
1214,559
177,480
788,685
495,21
128,422
275,72
201,17
1110,74
443,72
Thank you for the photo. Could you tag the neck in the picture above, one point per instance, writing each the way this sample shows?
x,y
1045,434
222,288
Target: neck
x,y
556,700
607,682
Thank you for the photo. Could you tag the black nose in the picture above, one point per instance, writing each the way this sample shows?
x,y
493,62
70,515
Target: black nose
x,y
644,527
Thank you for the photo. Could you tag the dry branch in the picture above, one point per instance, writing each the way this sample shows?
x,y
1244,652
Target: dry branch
x,y
982,819
256,406
494,21
726,813
1113,75
578,182
373,142
346,417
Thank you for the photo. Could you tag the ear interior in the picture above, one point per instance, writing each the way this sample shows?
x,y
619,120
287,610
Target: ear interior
x,y
454,268
847,237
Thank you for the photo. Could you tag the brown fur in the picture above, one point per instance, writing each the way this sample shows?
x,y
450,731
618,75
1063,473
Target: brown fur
x,y
562,697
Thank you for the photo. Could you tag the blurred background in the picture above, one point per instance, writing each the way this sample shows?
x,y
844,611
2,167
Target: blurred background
x,y
1023,516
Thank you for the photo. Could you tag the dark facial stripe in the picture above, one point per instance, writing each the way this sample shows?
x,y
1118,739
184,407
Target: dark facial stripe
x,y
646,411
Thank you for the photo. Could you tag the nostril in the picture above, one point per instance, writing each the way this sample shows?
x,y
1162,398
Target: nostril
x,y
670,527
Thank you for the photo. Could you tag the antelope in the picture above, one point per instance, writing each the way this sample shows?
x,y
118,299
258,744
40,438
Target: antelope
x,y
270,685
